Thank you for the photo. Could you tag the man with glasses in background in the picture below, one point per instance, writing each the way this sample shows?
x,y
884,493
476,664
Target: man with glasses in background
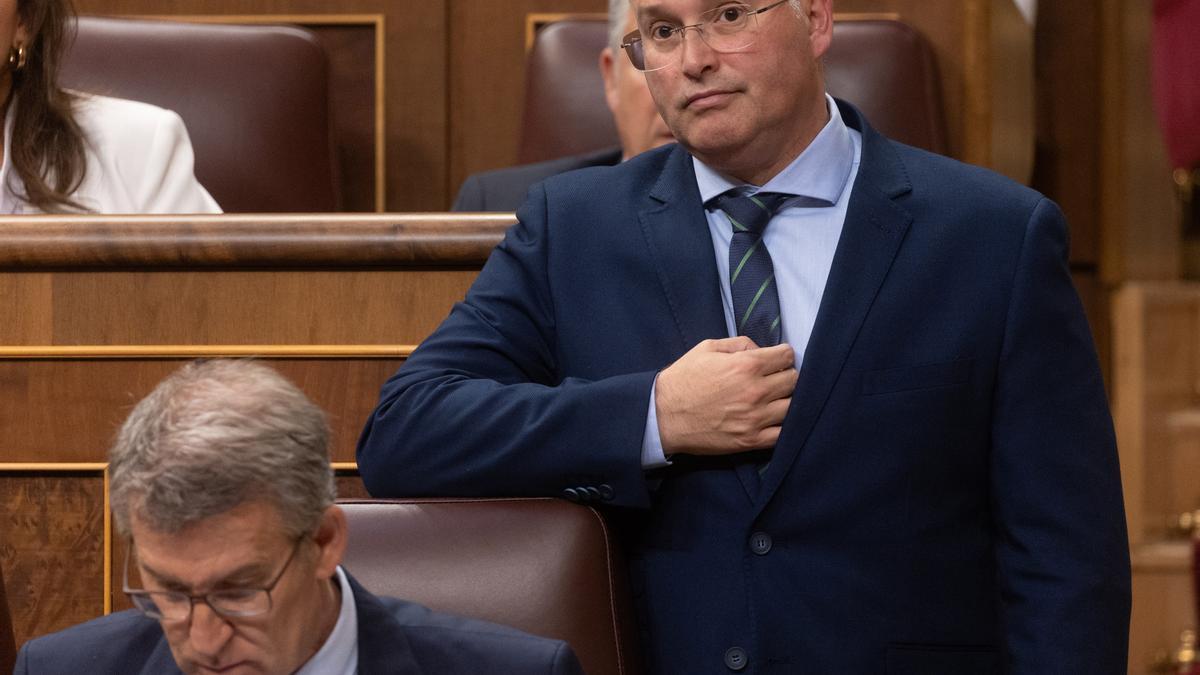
x,y
639,128
221,479
902,461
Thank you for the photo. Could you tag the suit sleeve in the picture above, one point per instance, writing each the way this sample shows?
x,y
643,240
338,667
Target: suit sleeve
x,y
482,408
22,666
470,196
1062,549
565,662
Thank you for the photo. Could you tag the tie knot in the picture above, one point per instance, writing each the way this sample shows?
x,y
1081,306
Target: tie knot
x,y
751,212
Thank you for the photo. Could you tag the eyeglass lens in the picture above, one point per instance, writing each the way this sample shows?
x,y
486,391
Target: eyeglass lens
x,y
728,28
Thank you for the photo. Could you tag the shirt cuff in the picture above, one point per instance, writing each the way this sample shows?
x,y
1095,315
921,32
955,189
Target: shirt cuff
x,y
653,456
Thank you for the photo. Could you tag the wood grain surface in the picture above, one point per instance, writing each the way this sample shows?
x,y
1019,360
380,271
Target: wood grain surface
x,y
52,548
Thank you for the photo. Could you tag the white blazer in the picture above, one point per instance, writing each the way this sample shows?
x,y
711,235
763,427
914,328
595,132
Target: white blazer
x,y
139,160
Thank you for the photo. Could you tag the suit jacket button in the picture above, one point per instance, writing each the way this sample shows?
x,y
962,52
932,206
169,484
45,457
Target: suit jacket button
x,y
606,492
572,494
736,659
760,543
593,495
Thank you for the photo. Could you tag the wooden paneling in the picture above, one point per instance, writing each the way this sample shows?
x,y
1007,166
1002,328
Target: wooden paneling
x,y
387,307
352,80
386,279
1156,396
52,547
414,72
1163,604
1139,217
1067,161
68,410
1157,374
25,305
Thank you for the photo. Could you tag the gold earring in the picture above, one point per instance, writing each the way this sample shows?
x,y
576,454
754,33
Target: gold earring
x,y
17,56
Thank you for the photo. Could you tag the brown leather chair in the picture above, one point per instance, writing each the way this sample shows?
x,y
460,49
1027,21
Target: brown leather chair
x,y
255,100
884,67
8,648
544,566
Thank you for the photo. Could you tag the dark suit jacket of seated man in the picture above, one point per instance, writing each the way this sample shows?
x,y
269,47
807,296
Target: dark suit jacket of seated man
x,y
505,189
943,494
394,638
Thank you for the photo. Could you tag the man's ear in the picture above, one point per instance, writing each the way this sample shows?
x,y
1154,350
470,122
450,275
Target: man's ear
x,y
331,538
608,72
820,26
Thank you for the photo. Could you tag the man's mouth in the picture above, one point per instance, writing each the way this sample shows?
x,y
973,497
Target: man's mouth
x,y
707,99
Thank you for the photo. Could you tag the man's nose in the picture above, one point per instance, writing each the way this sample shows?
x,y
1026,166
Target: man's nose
x,y
209,631
695,53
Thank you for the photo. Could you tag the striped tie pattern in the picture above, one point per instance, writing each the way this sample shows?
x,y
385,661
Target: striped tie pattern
x,y
751,273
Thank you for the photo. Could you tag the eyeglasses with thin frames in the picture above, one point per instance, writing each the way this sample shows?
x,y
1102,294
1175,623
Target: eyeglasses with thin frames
x,y
231,603
728,28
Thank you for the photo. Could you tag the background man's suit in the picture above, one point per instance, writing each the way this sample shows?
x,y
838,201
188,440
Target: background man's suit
x,y
944,496
505,189
394,638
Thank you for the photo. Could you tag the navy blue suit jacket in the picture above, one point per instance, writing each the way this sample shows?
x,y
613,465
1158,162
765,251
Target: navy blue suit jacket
x,y
945,493
505,189
394,638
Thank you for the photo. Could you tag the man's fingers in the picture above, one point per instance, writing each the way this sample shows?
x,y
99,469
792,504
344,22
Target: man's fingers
x,y
776,410
767,438
781,384
774,359
730,345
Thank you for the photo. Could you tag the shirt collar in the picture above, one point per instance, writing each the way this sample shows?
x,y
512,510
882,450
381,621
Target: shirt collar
x,y
339,654
821,171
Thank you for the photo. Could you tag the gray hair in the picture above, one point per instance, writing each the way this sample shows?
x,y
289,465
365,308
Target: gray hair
x,y
618,15
216,434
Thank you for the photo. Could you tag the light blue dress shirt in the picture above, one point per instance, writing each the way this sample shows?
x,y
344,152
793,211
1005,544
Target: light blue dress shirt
x,y
339,654
801,239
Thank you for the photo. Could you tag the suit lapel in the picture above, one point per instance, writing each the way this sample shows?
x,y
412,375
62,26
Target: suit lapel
x,y
382,644
161,661
677,237
874,229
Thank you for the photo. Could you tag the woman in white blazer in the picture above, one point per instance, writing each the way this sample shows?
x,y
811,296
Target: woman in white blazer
x,y
66,152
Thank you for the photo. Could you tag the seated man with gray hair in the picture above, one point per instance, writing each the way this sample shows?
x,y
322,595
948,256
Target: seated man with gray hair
x,y
221,480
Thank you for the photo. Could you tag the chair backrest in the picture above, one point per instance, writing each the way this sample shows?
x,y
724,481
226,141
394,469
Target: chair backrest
x,y
544,566
883,66
8,648
255,100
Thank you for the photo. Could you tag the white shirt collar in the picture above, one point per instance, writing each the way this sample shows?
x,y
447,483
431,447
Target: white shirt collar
x,y
820,171
339,654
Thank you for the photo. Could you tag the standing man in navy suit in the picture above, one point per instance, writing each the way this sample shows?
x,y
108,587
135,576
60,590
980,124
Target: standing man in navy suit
x,y
843,389
221,479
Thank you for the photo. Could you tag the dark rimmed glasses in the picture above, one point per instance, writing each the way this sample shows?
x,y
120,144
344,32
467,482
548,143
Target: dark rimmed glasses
x,y
728,28
227,602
